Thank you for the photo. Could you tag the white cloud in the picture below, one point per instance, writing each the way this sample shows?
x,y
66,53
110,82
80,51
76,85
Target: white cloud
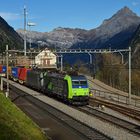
x,y
135,3
10,16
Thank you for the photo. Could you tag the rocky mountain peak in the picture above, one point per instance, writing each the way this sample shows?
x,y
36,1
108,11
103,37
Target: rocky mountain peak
x,y
122,20
122,16
125,11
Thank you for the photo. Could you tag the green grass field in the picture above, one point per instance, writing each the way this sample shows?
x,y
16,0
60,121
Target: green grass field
x,y
15,125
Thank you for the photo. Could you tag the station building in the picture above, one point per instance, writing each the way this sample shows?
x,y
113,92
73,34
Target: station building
x,y
46,59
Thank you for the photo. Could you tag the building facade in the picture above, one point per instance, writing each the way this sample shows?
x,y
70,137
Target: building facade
x,y
46,59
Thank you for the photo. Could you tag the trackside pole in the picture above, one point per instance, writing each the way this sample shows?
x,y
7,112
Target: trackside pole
x,y
25,47
1,84
7,71
129,95
61,62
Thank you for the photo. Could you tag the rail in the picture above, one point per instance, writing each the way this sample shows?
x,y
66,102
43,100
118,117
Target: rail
x,y
132,127
115,97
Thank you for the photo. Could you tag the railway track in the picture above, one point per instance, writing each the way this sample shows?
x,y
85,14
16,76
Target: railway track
x,y
114,104
135,114
82,129
104,89
131,127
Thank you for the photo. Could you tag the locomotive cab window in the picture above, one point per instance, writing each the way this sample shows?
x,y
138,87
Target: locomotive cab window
x,y
79,83
83,82
75,82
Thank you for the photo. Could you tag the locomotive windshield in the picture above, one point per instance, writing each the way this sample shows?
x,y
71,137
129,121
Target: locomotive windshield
x,y
83,82
79,82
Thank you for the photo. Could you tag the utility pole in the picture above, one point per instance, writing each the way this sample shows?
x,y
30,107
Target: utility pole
x,y
25,31
129,75
61,62
7,72
90,55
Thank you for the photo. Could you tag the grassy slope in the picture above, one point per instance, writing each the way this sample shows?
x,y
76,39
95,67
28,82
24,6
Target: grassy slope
x,y
15,125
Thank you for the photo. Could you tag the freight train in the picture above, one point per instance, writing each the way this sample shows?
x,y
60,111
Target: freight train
x,y
70,88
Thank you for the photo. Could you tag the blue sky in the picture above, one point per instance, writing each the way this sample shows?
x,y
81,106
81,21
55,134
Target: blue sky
x,y
50,14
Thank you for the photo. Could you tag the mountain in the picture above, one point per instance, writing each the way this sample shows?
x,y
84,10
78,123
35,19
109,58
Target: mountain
x,y
115,32
122,20
9,36
59,37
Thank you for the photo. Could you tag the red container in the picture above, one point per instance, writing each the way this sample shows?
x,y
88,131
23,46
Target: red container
x,y
22,74
0,68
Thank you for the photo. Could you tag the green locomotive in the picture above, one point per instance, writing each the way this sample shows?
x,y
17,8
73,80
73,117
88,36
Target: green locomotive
x,y
73,89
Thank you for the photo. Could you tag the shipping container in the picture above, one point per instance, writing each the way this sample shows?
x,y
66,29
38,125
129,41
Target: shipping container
x,y
4,68
3,71
14,75
0,68
22,74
